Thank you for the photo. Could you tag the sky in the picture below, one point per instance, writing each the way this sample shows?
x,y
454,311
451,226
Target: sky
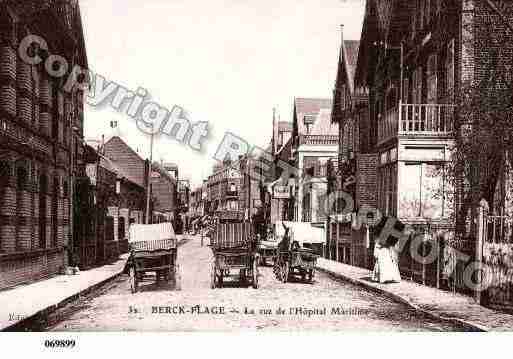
x,y
227,62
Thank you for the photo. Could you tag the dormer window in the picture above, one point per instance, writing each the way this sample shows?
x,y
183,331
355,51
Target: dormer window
x,y
309,120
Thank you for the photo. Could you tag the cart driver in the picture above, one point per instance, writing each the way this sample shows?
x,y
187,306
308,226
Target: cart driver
x,y
285,242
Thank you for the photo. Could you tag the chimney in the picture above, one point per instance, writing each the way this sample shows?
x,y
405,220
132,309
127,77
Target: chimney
x,y
341,38
275,134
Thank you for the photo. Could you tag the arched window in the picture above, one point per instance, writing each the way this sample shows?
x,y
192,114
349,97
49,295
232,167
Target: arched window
x,y
65,189
21,178
43,184
5,172
43,190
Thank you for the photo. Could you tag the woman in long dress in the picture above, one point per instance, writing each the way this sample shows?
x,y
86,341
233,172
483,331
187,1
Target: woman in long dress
x,y
386,268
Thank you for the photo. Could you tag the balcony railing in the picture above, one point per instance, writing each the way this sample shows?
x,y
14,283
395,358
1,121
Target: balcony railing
x,y
417,119
318,140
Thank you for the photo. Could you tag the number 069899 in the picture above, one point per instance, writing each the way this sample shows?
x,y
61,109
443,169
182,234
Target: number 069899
x,y
59,343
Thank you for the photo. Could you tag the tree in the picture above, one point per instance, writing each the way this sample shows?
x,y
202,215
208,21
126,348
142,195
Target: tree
x,y
484,125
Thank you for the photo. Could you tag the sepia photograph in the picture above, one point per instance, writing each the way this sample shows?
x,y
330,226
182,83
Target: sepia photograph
x,y
270,166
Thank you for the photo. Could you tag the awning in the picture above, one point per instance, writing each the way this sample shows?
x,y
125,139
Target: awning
x,y
302,232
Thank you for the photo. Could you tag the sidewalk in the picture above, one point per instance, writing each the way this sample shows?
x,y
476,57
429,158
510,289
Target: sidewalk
x,y
27,301
434,302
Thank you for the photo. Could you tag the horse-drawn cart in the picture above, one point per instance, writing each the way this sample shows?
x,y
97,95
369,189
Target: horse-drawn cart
x,y
295,254
296,261
234,255
153,248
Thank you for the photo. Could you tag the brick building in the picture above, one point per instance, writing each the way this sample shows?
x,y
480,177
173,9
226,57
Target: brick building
x,y
164,194
41,125
107,201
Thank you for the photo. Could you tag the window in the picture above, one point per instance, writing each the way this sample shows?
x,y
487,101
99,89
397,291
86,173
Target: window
x,y
417,86
232,205
422,191
43,190
427,12
5,172
449,72
388,188
21,178
121,228
432,78
65,189
406,89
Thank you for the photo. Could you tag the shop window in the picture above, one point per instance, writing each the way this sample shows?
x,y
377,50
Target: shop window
x,y
422,190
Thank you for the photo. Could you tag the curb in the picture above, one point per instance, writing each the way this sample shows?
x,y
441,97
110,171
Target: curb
x,y
470,326
48,310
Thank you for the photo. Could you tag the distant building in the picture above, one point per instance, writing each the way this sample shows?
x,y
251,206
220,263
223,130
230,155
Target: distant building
x,y
132,165
164,193
281,194
314,142
223,188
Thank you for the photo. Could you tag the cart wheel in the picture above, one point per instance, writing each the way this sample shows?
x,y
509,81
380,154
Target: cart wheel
x,y
255,275
285,272
133,279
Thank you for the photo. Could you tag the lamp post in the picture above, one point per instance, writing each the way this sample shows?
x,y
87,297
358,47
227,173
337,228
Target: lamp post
x,y
148,189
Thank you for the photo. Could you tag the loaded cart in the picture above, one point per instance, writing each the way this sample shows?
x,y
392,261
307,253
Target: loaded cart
x,y
234,254
153,248
296,256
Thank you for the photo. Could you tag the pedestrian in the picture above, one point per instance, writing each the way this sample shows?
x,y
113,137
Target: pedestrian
x,y
386,268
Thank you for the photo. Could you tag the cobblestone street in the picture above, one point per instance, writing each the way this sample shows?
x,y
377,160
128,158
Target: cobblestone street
x,y
114,308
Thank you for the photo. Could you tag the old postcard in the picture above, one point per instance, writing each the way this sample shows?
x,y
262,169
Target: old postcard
x,y
248,166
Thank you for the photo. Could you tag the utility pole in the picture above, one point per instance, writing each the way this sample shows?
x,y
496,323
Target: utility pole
x,y
148,189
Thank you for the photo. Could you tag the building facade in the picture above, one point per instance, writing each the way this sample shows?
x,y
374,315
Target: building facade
x,y
403,111
41,127
314,142
223,190
164,193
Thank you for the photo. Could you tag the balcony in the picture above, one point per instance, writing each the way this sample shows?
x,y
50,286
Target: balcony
x,y
316,140
423,120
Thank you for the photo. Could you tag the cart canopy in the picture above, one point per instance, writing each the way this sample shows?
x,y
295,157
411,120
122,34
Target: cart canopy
x,y
302,232
152,236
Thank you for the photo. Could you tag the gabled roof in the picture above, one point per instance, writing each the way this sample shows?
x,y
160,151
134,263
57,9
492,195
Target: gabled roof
x,y
320,111
350,52
311,105
284,126
125,157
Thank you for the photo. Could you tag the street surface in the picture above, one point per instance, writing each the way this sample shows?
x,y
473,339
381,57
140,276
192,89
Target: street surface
x,y
157,308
